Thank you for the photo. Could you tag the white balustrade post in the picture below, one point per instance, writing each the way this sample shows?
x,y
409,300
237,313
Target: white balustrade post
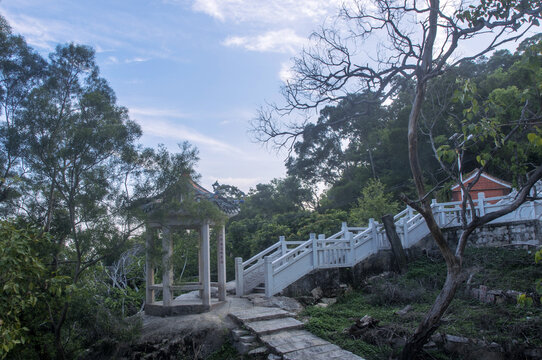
x,y
405,232
239,285
221,262
314,250
481,205
283,247
149,266
268,274
320,237
410,212
167,266
344,226
434,209
374,240
205,256
351,256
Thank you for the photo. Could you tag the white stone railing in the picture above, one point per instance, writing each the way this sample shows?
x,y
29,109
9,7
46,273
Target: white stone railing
x,y
287,261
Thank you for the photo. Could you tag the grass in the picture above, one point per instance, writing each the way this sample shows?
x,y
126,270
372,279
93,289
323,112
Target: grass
x,y
496,268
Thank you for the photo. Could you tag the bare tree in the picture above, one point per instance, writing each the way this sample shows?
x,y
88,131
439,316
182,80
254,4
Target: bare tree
x,y
372,48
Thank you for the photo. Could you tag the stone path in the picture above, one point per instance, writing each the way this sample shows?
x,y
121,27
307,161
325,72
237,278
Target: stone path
x,y
279,331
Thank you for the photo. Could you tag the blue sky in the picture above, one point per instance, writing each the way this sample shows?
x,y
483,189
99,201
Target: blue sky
x,y
193,70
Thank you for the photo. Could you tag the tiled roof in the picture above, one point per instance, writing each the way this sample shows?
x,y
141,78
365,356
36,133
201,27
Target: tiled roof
x,y
227,205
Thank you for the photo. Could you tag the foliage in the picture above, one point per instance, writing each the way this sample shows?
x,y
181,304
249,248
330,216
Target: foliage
x,y
374,202
22,275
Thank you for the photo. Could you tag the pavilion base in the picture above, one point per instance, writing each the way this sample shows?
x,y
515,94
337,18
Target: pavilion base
x,y
179,307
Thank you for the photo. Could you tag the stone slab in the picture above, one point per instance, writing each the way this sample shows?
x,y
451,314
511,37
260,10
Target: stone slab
x,y
265,327
311,352
288,341
178,308
321,352
259,313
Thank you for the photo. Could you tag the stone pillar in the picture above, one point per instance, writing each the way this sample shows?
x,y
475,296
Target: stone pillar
x,y
167,274
221,262
200,267
268,276
239,281
149,266
206,274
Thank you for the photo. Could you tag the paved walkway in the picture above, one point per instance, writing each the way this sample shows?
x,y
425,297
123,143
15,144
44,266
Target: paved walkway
x,y
277,329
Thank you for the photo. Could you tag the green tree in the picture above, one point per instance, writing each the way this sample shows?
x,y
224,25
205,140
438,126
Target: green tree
x,y
74,136
374,203
21,70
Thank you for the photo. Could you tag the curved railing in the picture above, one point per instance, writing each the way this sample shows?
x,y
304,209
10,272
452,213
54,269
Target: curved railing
x,y
287,261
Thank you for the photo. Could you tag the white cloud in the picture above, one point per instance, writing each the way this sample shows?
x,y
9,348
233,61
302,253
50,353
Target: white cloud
x,y
37,33
153,113
136,60
266,11
283,41
286,73
112,60
176,132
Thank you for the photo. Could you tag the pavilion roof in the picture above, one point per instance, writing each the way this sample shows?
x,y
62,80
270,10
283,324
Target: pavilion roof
x,y
227,205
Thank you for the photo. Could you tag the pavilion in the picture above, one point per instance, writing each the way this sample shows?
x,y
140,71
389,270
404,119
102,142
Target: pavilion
x,y
185,212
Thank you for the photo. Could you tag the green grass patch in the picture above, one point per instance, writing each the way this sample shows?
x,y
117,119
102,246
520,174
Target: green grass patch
x,y
496,268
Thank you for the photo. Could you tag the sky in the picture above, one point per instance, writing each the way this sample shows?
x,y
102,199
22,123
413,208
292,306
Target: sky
x,y
187,70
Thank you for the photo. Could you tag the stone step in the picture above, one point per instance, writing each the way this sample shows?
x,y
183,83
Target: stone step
x,y
264,327
281,333
238,333
259,313
287,341
259,290
321,352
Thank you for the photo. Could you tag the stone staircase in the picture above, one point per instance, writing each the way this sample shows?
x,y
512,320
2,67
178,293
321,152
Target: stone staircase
x,y
277,267
283,335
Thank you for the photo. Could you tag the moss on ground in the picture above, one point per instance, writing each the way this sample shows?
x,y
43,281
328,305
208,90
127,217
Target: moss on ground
x,y
504,269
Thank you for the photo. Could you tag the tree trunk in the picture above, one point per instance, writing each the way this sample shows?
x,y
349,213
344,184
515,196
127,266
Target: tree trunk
x,y
431,320
395,242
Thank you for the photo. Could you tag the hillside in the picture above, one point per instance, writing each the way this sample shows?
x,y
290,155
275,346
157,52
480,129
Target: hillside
x,y
501,327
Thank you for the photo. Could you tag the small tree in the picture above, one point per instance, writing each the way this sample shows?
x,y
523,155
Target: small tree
x,y
412,42
373,203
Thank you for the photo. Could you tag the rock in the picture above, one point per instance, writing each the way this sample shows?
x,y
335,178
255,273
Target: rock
x,y
437,338
404,310
238,333
262,350
361,326
431,345
367,321
456,344
317,293
283,302
243,348
535,353
322,305
306,300
273,357
247,338
328,301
